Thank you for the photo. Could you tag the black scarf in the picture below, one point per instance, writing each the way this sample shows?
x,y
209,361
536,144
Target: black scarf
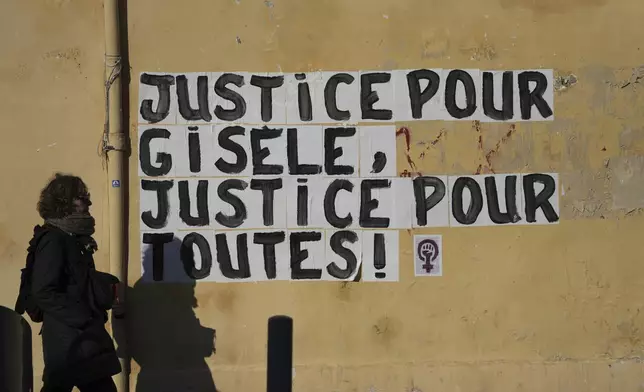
x,y
80,225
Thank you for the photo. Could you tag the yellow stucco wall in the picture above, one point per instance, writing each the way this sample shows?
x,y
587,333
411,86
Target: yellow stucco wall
x,y
52,106
536,308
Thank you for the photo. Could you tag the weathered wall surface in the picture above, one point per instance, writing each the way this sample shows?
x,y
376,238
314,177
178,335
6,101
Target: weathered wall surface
x,y
520,308
532,308
52,106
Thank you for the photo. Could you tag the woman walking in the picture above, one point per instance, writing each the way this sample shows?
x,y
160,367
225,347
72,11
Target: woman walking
x,y
78,350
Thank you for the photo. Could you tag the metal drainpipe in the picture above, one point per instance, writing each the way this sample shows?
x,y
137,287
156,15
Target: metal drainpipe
x,y
115,153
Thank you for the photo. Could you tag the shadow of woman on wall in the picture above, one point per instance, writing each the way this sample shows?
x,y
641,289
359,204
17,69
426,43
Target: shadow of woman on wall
x,y
164,336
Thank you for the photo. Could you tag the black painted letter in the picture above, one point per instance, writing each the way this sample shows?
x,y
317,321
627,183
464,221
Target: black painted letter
x,y
259,153
331,99
302,203
304,99
507,96
224,259
493,207
476,200
268,188
453,78
528,98
158,241
337,245
194,150
425,203
188,256
542,200
269,240
223,191
163,158
267,84
163,83
298,255
203,217
232,146
230,95
331,153
294,166
183,98
368,96
329,203
367,204
417,98
163,206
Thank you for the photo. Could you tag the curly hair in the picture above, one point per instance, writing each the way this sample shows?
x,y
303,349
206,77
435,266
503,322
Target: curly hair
x,y
57,197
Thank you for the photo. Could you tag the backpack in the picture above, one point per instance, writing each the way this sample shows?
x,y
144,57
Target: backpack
x,y
25,301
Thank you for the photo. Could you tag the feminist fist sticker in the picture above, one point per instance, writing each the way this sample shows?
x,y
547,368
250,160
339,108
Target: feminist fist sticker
x,y
428,258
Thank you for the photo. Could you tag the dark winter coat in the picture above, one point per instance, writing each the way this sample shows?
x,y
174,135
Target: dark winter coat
x,y
77,348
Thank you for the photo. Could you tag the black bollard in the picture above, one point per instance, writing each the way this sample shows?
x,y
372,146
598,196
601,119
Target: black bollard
x,y
279,367
16,371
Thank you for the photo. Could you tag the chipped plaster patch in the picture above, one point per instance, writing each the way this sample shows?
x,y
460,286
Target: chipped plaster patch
x,y
628,182
564,82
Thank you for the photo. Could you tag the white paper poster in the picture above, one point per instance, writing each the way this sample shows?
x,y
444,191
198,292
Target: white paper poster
x,y
251,176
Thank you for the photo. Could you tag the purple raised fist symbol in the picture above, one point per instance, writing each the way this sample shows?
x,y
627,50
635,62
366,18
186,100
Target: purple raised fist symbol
x,y
427,253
